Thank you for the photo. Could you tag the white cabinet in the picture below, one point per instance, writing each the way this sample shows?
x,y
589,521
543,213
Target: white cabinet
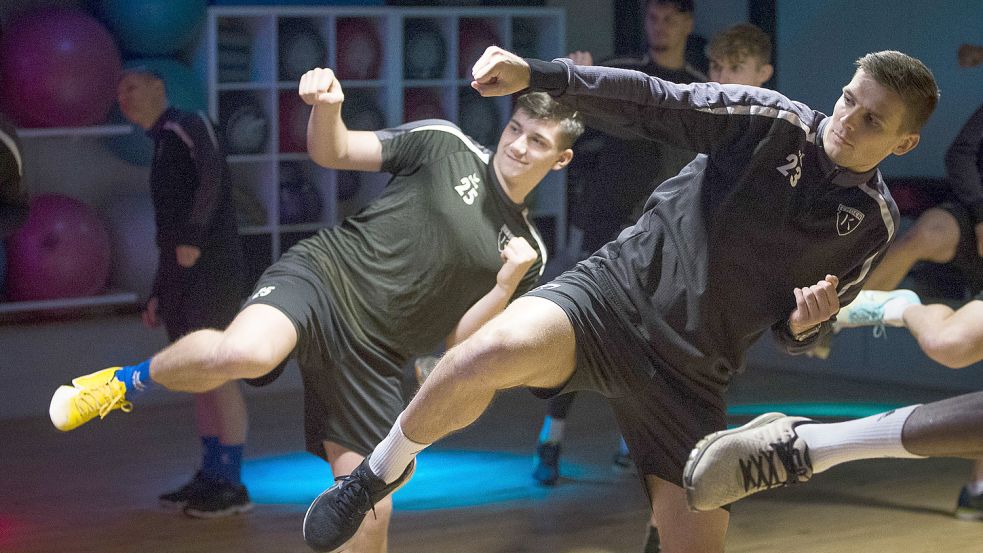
x,y
396,65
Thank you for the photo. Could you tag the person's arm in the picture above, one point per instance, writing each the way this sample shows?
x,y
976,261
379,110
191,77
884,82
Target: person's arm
x,y
329,142
962,163
13,202
517,257
631,104
196,133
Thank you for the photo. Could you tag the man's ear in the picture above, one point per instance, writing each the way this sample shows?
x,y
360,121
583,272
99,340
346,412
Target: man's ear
x,y
907,144
563,160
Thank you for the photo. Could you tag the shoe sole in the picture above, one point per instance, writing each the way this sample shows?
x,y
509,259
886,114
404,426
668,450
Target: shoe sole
x,y
703,445
172,505
344,545
969,514
231,511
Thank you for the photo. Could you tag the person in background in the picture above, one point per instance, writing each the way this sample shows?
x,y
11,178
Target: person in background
x,y
13,200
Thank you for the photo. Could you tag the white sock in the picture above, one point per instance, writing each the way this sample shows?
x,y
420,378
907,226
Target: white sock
x,y
867,438
894,311
393,454
552,430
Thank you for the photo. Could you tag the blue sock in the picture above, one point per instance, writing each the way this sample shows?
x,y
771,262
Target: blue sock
x,y
230,462
209,455
136,378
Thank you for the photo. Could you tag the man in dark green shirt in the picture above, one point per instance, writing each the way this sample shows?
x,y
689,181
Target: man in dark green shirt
x,y
444,248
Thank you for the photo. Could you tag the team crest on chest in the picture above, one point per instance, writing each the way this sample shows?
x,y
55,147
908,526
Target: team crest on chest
x,y
847,219
504,235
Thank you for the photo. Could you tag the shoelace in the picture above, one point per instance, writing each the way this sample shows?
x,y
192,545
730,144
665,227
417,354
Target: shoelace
x,y
760,472
101,399
352,492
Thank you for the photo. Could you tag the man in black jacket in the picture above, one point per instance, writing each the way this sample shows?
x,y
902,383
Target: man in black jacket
x,y
775,224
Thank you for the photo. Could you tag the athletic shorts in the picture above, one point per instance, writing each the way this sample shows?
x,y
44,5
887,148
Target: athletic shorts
x,y
967,259
660,417
352,391
207,295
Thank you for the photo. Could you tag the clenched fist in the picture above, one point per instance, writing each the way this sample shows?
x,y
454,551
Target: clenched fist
x,y
320,87
517,257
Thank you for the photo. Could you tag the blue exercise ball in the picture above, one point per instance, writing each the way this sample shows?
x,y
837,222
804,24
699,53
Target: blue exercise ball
x,y
184,91
153,27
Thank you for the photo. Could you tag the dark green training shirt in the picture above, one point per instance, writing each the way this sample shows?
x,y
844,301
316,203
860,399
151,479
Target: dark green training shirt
x,y
406,268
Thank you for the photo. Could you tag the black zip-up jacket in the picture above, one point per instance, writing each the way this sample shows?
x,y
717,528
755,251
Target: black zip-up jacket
x,y
964,165
192,195
713,260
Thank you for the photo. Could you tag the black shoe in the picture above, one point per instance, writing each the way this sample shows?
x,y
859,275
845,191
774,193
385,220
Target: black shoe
x,y
969,506
547,470
179,498
335,516
217,499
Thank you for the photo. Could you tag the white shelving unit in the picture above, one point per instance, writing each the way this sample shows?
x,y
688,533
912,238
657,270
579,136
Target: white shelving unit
x,y
255,56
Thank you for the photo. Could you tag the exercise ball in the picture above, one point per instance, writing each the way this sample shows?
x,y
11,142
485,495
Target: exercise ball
x,y
359,49
153,27
361,113
474,37
300,200
424,50
244,123
184,91
422,103
479,118
301,48
61,251
132,235
294,114
59,68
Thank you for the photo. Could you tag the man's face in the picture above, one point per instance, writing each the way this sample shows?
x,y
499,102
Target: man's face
x,y
746,70
529,148
666,28
867,125
141,98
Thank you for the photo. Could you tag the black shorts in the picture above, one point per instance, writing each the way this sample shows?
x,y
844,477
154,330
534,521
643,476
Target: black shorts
x,y
352,391
967,259
207,295
660,416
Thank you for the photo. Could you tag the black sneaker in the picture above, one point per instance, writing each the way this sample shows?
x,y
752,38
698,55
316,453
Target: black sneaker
x,y
547,470
969,506
179,498
335,516
217,499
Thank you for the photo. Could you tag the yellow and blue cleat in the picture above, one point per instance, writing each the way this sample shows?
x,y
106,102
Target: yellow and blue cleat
x,y
89,396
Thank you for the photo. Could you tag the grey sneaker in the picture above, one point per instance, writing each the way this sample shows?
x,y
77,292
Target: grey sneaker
x,y
969,506
868,309
335,516
732,464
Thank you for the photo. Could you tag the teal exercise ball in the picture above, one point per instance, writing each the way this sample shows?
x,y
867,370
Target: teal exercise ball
x,y
153,27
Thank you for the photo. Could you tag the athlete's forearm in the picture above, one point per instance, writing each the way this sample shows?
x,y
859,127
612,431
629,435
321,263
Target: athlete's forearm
x,y
491,304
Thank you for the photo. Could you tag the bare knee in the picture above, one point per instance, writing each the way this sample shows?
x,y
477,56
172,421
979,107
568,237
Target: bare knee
x,y
935,236
238,358
952,348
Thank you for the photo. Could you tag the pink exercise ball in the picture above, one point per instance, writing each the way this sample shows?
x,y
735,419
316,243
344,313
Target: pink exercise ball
x,y
58,68
61,251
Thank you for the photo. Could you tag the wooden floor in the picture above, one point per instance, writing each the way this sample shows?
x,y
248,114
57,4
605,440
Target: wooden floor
x,y
94,490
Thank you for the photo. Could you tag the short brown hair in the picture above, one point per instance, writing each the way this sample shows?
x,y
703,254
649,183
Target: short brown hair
x,y
909,78
540,105
740,41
